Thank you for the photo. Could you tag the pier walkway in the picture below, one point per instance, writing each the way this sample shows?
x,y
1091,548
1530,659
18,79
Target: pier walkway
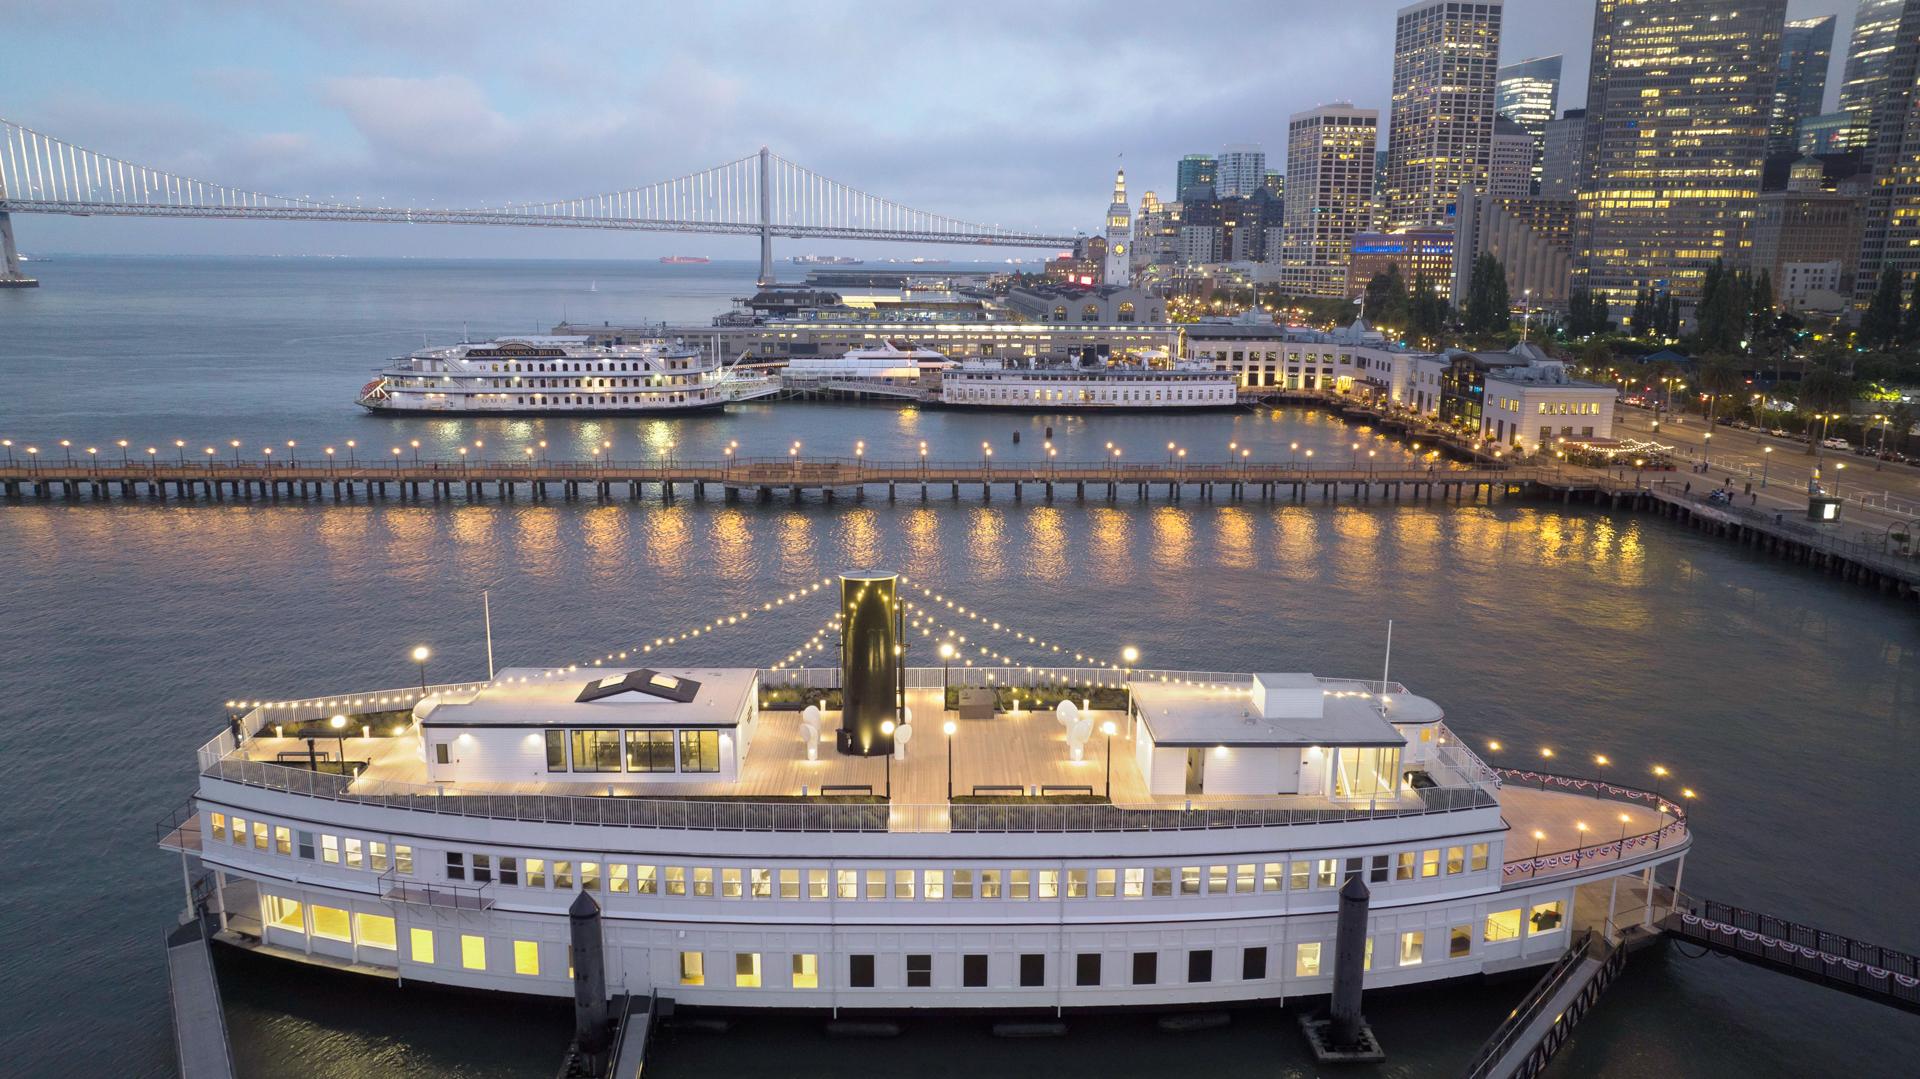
x,y
199,1021
1864,970
1525,1043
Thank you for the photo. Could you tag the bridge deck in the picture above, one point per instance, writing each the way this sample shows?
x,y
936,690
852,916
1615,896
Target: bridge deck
x,y
1866,970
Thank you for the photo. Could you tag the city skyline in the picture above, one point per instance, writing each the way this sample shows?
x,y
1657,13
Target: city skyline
x,y
355,107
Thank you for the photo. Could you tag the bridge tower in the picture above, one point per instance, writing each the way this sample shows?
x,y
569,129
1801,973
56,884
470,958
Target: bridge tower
x,y
10,275
766,215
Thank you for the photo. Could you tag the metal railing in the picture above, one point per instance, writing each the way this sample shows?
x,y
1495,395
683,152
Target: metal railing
x,y
1558,863
402,888
1506,1037
1873,970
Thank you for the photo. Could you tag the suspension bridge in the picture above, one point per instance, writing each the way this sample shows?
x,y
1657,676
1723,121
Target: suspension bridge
x,y
761,194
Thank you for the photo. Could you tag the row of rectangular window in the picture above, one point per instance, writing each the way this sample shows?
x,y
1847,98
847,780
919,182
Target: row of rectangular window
x,y
630,751
353,852
378,931
1410,950
1130,883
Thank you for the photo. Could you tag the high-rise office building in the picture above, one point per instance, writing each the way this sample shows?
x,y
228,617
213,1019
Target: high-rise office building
x,y
1510,162
1890,235
1830,133
1195,177
1563,155
1678,101
1276,184
1871,48
1446,54
1242,170
1528,93
1329,184
1800,84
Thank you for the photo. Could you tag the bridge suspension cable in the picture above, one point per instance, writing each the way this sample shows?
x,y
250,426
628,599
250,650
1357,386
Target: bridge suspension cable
x,y
761,194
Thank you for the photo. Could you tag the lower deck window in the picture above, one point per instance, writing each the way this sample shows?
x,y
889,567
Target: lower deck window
x,y
806,971
331,923
746,970
1502,925
919,971
1546,917
693,968
1306,960
1146,968
375,931
526,957
286,914
1253,964
973,971
860,971
1200,965
421,941
473,951
1033,969
1086,968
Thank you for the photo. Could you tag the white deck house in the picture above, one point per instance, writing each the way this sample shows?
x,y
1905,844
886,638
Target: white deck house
x,y
599,727
1290,735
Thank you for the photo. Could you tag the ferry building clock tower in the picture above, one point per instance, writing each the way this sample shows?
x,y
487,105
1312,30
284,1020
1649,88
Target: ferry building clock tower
x,y
1119,233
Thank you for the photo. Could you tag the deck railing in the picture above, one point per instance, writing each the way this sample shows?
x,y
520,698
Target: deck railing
x,y
1557,863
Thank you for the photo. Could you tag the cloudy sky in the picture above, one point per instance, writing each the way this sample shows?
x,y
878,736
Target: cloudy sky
x,y
1014,113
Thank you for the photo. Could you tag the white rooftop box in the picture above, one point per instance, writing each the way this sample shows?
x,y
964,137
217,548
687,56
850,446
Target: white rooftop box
x,y
1288,696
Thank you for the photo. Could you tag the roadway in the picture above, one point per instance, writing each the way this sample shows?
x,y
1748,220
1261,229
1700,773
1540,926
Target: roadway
x,y
1877,493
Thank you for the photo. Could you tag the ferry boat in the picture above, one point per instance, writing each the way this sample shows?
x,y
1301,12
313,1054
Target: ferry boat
x,y
685,260
556,374
824,260
884,366
1066,386
1056,837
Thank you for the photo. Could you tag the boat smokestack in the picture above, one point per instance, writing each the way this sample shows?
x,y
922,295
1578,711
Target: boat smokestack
x,y
871,655
590,1028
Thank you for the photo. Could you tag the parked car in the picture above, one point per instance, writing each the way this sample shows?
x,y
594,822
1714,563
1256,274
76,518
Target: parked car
x,y
1836,443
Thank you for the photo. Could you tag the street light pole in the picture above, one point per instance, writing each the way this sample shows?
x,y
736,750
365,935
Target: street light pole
x,y
949,727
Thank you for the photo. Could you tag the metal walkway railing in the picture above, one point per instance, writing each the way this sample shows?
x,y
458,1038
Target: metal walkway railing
x,y
1851,966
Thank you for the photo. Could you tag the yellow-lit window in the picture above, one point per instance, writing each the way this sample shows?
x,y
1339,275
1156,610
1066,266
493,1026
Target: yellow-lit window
x,y
1243,878
260,835
789,884
1546,918
1456,860
590,876
285,914
933,885
816,884
1502,925
375,931
473,952
1413,946
703,880
903,884
219,822
331,923
354,860
1136,883
239,829
330,849
526,957
282,839
1020,884
806,971
617,876
1327,873
693,969
1479,861
1430,862
746,970
1403,866
1306,960
422,943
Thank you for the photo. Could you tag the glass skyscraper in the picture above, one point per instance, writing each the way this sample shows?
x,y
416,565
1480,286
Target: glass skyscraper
x,y
1528,93
1800,84
1446,54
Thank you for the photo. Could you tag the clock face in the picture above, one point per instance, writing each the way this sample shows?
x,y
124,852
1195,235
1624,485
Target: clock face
x,y
1119,249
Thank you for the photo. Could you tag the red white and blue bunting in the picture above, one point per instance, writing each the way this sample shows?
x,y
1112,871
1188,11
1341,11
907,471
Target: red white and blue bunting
x,y
1617,847
1751,937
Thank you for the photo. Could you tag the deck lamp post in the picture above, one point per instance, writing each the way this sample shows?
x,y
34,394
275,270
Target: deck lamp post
x,y
33,454
1356,456
67,445
923,462
463,458
290,458
339,725
949,726
946,666
329,453
1051,454
1107,729
793,457
416,450
726,468
235,443
1621,851
1601,761
1580,842
267,452
350,458
1129,655
543,451
420,655
1170,448
886,729
1533,869
180,447
8,443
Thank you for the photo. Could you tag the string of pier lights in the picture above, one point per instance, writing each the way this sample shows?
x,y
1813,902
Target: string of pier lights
x,y
719,622
1020,635
815,643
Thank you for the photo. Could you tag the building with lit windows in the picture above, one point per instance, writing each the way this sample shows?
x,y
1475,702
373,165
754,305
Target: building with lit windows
x,y
1806,226
1876,25
1678,103
1446,57
1195,177
1800,85
1829,133
1528,93
1330,159
1164,837
1890,229
1532,406
1418,252
1563,154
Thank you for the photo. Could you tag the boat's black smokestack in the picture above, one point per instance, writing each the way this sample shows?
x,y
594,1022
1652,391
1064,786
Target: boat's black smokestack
x,y
870,658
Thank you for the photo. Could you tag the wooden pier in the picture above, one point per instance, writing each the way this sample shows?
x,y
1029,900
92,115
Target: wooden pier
x,y
761,479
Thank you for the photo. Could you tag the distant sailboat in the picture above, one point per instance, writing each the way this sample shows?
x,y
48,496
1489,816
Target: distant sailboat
x,y
593,286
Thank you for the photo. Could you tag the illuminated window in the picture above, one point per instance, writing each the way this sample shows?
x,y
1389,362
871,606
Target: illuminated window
x,y
903,884
1502,925
1413,945
1216,880
1306,960
650,751
563,875
1546,917
616,876
746,970
285,914
1020,884
375,931
816,883
330,923
353,853
219,822
933,883
876,884
1430,862
421,941
963,884
806,971
699,751
239,833
1327,872
789,884
1456,860
1243,877
536,872
847,884
1479,861
1162,881
330,849
1134,884
473,952
693,968
377,855
403,859
1076,884
989,884
282,839
1190,880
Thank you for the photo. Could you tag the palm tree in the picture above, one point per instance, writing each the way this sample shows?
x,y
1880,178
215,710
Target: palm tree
x,y
1822,390
1718,377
